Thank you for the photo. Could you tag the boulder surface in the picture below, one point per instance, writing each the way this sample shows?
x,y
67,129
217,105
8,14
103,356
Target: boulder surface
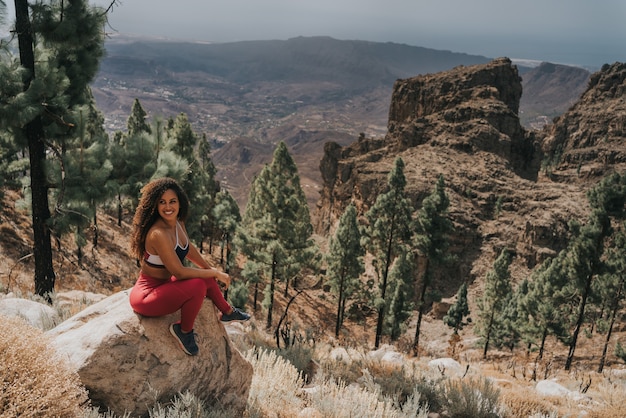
x,y
127,361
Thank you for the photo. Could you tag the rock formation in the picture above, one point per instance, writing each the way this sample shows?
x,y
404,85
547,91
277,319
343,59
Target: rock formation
x,y
589,141
463,124
127,362
36,314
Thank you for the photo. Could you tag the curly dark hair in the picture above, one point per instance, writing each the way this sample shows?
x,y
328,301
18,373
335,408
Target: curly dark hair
x,y
147,214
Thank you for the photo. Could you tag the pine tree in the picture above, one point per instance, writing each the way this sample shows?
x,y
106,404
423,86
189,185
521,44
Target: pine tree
x,y
583,261
69,46
431,241
14,162
387,231
136,122
612,286
276,231
197,177
249,239
81,177
185,139
208,223
507,332
345,262
227,220
458,311
134,163
13,165
492,304
401,290
542,302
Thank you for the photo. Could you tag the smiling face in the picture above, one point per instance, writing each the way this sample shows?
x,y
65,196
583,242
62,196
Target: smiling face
x,y
168,206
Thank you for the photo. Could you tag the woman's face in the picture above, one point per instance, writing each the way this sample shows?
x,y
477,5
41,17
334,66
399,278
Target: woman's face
x,y
168,206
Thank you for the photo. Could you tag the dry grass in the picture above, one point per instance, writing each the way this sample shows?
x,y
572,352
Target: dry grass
x,y
524,402
35,382
276,385
353,383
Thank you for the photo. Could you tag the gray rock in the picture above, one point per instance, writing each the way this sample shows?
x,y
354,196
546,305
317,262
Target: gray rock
x,y
37,314
447,366
127,362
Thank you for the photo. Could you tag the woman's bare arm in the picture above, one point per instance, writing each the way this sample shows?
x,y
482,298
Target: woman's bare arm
x,y
162,245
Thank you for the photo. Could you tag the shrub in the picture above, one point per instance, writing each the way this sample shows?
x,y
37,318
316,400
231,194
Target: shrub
x,y
431,392
335,399
275,385
609,399
300,356
472,398
620,352
525,403
35,380
344,370
188,405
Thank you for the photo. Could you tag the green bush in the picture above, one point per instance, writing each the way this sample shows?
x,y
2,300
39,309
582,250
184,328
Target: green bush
x,y
620,352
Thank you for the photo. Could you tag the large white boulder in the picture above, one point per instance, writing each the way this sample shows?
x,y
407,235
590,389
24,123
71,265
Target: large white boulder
x,y
446,365
126,361
552,388
37,314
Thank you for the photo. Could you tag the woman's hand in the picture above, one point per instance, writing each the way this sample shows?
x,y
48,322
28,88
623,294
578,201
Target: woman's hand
x,y
223,280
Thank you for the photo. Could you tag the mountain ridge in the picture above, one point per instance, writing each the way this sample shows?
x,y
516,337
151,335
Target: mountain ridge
x,y
264,106
463,124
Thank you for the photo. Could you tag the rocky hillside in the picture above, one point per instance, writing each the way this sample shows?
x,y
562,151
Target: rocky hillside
x,y
589,140
464,124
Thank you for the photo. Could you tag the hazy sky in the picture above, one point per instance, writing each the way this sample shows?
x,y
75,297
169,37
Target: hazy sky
x,y
582,32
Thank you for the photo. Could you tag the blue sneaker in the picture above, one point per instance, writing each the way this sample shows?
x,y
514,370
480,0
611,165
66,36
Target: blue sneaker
x,y
235,315
186,341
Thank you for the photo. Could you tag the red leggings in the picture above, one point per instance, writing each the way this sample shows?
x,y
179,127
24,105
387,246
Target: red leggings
x,y
155,297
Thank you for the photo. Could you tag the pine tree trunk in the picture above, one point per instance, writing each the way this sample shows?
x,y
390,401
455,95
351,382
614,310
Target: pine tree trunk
x,y
383,289
228,251
256,296
268,324
612,323
579,323
343,310
286,293
95,228
339,308
282,318
119,209
33,131
543,342
420,312
488,334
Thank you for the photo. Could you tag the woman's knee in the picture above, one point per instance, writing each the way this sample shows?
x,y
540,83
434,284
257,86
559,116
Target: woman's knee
x,y
195,285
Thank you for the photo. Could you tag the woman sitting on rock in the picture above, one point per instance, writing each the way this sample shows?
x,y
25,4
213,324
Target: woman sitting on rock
x,y
165,284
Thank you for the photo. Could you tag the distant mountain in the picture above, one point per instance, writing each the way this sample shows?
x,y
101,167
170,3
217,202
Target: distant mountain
x,y
239,89
317,89
548,91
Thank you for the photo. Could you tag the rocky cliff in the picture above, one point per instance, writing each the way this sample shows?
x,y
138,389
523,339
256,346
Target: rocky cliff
x,y
464,124
589,140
